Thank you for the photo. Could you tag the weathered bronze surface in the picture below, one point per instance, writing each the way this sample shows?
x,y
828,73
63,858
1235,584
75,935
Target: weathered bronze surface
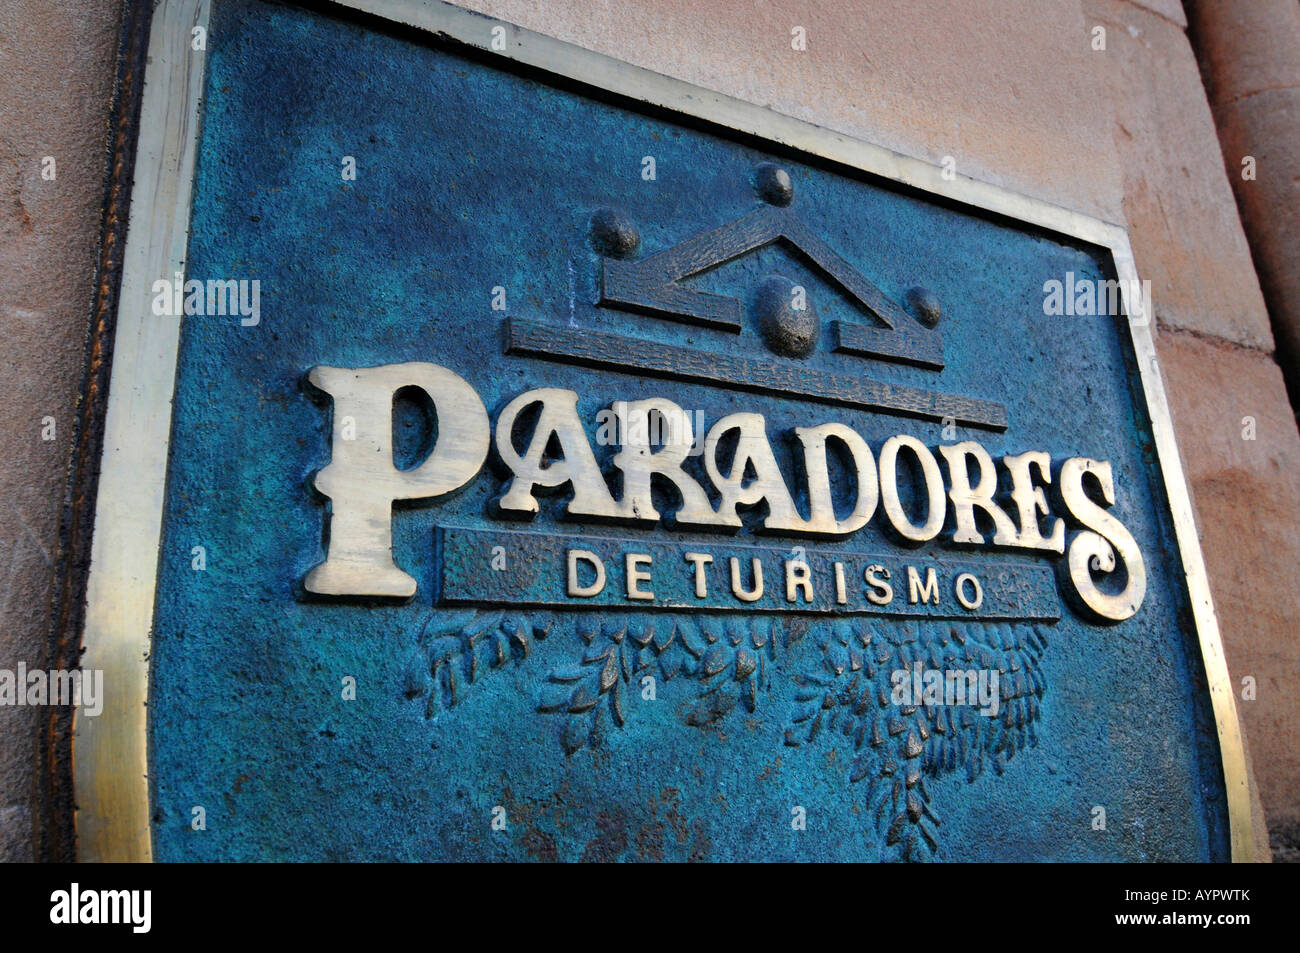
x,y
655,517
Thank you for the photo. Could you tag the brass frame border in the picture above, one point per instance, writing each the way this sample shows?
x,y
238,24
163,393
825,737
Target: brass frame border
x,y
111,751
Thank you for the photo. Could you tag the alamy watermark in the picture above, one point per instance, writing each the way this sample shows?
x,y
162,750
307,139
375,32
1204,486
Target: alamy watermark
x,y
83,906
916,685
649,423
212,297
83,689
1085,296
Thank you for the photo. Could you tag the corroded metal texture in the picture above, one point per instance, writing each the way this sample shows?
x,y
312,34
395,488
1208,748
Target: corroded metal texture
x,y
509,235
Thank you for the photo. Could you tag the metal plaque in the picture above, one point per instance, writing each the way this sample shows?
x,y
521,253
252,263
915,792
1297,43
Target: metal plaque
x,y
514,454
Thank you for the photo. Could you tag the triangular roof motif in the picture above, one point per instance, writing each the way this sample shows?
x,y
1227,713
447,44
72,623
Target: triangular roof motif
x,y
653,285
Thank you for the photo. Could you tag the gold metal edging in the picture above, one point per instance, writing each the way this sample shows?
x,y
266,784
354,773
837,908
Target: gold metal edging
x,y
1223,700
110,752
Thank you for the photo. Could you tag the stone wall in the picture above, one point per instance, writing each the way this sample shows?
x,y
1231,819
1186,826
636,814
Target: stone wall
x,y
57,73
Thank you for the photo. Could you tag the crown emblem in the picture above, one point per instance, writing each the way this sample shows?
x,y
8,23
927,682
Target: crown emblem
x,y
656,285
653,285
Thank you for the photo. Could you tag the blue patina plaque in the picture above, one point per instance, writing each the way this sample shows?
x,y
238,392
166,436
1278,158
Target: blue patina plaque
x,y
561,476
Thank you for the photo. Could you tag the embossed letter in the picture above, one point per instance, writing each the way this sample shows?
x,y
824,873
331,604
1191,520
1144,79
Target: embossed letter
x,y
575,588
822,507
753,452
936,504
638,461
966,499
1031,501
1096,546
362,482
559,420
